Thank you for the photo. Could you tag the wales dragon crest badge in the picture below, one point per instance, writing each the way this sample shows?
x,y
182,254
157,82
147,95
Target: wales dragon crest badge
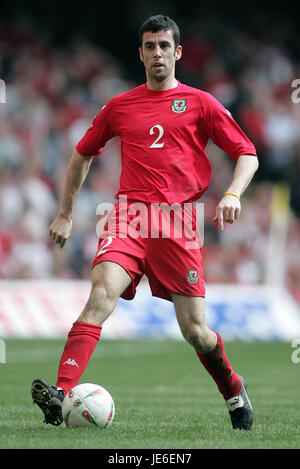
x,y
179,105
192,276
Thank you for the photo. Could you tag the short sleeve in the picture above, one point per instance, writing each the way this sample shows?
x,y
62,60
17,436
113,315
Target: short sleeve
x,y
100,131
224,131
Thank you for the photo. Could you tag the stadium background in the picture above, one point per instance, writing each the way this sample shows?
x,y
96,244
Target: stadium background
x,y
61,62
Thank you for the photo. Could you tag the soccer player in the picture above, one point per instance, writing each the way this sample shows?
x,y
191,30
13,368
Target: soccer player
x,y
164,127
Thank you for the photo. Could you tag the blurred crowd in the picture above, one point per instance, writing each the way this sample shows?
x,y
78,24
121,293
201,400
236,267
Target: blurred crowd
x,y
53,93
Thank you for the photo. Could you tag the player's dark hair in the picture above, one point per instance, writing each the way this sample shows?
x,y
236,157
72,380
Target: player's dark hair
x,y
160,23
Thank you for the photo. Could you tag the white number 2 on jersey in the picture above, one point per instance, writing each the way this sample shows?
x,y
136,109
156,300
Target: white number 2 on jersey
x,y
160,129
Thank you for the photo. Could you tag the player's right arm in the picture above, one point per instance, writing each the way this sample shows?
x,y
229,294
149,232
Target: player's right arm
x,y
77,170
100,131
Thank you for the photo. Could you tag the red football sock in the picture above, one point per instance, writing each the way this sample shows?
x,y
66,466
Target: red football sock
x,y
218,366
81,343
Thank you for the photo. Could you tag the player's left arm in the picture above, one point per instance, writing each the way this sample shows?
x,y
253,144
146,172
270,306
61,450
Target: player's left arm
x,y
227,135
229,208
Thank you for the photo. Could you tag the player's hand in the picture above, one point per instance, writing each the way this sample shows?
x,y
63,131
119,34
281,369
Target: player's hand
x,y
60,229
228,210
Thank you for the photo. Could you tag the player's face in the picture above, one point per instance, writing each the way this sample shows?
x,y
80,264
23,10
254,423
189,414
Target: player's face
x,y
159,55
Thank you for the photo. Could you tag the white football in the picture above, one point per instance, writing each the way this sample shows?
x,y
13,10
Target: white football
x,y
88,405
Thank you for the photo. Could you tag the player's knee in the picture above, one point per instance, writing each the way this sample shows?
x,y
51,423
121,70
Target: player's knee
x,y
101,299
198,337
99,306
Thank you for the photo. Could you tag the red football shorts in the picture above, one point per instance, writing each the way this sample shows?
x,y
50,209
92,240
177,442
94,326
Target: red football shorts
x,y
165,246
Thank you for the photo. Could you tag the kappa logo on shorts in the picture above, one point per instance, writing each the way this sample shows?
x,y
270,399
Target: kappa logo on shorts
x,y
179,105
192,276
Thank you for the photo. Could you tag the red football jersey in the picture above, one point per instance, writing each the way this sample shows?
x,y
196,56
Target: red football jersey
x,y
163,139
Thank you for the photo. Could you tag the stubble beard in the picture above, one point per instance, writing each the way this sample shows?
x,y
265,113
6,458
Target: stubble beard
x,y
160,76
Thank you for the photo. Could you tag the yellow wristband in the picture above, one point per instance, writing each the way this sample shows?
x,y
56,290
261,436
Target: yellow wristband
x,y
232,193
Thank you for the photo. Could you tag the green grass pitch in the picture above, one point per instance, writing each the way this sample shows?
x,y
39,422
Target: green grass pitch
x,y
164,398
